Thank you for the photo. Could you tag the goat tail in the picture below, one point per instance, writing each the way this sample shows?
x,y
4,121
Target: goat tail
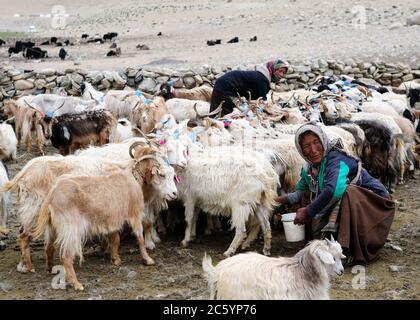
x,y
210,274
44,219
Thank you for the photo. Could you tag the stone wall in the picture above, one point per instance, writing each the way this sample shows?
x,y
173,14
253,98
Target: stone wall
x,y
14,82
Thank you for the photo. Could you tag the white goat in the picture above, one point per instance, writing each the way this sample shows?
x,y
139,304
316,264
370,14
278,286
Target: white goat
x,y
252,276
4,198
8,142
232,181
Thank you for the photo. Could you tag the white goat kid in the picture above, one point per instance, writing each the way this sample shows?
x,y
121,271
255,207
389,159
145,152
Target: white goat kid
x,y
252,276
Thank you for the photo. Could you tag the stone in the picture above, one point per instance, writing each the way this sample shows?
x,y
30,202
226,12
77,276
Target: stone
x,y
415,73
81,71
40,83
51,79
119,82
147,85
47,72
198,79
77,78
18,77
23,85
216,70
51,85
292,76
322,63
328,73
414,19
148,74
217,76
394,268
131,82
105,83
97,79
396,82
303,69
304,78
407,77
368,82
131,72
189,82
177,82
162,79
395,26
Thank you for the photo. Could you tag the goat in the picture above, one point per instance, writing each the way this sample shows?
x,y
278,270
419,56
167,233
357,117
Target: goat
x,y
75,131
252,276
101,206
32,184
4,199
8,142
203,92
210,182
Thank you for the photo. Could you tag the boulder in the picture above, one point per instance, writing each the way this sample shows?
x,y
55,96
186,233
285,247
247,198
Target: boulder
x,y
24,85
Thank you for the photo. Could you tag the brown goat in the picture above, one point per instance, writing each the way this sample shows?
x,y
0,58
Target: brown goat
x,y
80,206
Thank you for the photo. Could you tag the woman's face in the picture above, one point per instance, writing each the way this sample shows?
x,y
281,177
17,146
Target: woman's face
x,y
312,148
279,73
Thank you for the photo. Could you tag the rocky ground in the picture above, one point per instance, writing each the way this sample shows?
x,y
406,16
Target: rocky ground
x,y
366,30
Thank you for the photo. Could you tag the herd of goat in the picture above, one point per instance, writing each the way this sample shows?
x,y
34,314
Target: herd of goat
x,y
27,49
172,146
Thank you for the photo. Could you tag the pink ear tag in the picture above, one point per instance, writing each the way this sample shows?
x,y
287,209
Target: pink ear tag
x,y
163,141
178,179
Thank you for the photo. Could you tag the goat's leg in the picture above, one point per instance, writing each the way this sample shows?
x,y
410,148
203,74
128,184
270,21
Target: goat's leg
x,y
254,230
194,223
25,264
114,245
40,139
137,227
240,235
49,255
70,273
402,173
160,225
189,218
155,236
29,142
209,226
263,218
147,224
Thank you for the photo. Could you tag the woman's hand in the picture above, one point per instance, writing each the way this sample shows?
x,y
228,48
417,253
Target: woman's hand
x,y
282,200
301,216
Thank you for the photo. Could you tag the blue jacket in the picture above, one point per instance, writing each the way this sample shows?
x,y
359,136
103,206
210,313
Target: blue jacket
x,y
337,170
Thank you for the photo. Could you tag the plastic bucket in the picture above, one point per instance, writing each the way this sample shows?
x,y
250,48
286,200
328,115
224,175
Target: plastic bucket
x,y
293,232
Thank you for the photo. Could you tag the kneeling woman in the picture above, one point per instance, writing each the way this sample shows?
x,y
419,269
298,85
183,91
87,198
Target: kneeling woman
x,y
340,197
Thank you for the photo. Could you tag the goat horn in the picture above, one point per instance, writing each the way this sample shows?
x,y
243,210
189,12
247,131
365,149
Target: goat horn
x,y
272,97
249,95
196,111
134,145
215,111
64,101
29,105
10,119
149,156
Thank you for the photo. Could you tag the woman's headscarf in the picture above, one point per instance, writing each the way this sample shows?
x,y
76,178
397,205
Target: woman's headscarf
x,y
274,65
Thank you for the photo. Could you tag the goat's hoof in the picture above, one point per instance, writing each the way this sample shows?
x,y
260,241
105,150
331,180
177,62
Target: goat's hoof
x,y
149,262
150,245
116,261
227,254
23,268
245,246
184,243
266,252
78,286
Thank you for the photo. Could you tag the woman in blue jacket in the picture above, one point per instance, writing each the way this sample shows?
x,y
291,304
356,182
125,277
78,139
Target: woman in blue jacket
x,y
331,176
241,82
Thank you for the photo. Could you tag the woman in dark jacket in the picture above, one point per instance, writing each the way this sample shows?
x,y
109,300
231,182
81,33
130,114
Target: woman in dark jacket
x,y
240,82
344,199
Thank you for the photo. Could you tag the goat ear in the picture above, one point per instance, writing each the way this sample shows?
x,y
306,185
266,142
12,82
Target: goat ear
x,y
325,256
332,239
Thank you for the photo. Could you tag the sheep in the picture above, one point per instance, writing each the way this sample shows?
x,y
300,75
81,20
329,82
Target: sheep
x,y
100,206
4,199
252,276
8,142
232,181
203,92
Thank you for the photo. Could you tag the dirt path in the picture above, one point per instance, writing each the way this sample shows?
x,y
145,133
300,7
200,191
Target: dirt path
x,y
177,273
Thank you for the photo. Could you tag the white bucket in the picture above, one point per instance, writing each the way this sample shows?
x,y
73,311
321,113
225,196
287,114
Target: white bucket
x,y
294,232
